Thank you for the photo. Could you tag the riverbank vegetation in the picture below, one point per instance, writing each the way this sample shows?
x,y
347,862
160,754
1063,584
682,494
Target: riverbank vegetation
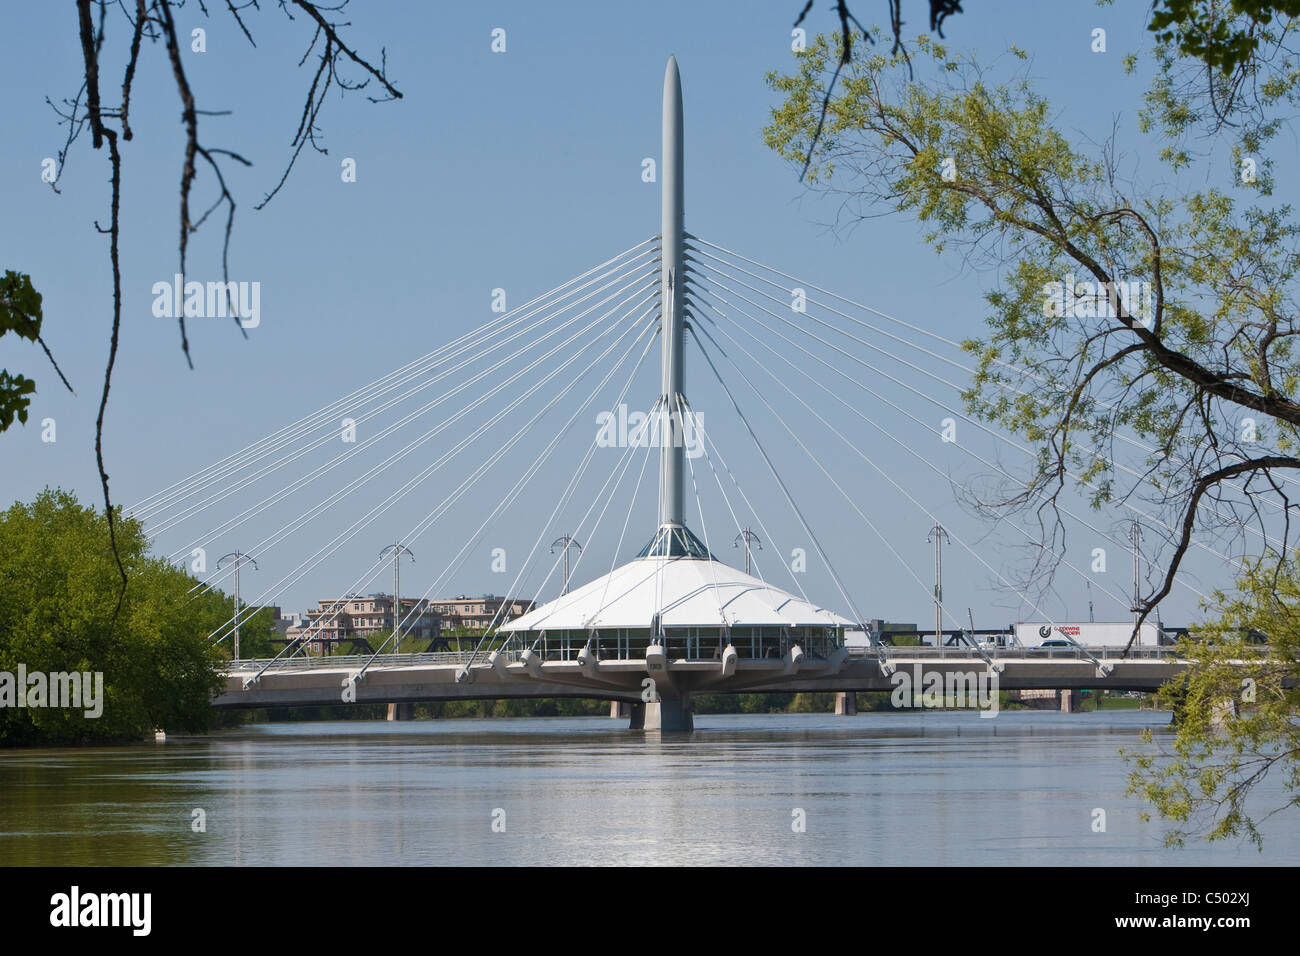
x,y
60,614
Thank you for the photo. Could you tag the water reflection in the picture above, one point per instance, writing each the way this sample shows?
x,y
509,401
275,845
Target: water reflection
x,y
876,789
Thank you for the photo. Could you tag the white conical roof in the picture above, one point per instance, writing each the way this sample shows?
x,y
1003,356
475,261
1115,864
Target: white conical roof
x,y
690,592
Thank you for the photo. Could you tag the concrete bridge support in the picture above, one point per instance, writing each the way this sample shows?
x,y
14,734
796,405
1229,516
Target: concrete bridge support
x,y
401,711
846,704
667,713
620,708
1069,701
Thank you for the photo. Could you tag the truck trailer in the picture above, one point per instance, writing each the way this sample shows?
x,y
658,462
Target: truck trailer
x,y
1099,634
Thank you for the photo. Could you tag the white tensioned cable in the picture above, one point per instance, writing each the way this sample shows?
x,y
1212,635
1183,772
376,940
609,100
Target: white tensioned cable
x,y
1099,456
1135,442
467,483
544,456
626,458
902,562
882,399
1094,454
450,499
1138,443
577,531
730,510
375,470
717,451
522,482
781,484
704,525
357,394
331,433
569,491
328,466
615,476
618,548
899,488
904,445
365,520
1000,437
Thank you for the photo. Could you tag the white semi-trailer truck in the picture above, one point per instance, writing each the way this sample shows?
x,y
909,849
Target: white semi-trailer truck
x,y
1033,634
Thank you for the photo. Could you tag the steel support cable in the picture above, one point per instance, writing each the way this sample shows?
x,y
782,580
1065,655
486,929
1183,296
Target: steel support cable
x,y
781,484
1091,452
544,456
870,524
1135,442
357,482
601,517
366,519
704,525
732,511
620,468
1120,600
383,433
626,459
331,433
627,519
963,417
709,456
898,487
576,479
882,399
429,519
341,403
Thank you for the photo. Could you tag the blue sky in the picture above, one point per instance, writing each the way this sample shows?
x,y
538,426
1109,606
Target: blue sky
x,y
514,171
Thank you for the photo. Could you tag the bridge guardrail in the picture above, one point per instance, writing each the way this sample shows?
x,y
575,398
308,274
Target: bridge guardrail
x,y
1033,653
354,660
877,652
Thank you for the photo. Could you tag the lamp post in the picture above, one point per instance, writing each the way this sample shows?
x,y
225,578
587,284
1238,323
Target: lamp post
x,y
238,558
397,550
565,542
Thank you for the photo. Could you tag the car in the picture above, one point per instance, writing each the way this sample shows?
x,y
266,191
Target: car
x,y
1056,642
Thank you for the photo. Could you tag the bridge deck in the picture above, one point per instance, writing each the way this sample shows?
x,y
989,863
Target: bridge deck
x,y
446,676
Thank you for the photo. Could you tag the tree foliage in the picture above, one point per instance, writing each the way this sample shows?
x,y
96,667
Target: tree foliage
x,y
60,581
1123,316
1156,325
20,313
1235,717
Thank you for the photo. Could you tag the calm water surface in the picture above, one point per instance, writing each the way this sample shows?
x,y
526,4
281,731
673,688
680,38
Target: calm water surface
x,y
876,789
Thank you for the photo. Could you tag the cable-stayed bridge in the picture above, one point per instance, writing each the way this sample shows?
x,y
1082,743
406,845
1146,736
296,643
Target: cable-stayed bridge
x,y
674,620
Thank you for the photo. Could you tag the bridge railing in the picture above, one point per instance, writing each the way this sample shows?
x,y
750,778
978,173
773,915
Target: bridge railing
x,y
346,661
1034,653
963,653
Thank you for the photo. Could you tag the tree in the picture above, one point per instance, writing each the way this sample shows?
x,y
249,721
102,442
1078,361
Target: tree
x,y
20,313
1125,317
1235,721
1180,333
158,667
109,125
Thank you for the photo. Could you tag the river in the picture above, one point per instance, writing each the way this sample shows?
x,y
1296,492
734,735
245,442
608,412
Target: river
x,y
876,789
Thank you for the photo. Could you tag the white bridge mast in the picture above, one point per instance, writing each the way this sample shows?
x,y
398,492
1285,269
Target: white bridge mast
x,y
671,487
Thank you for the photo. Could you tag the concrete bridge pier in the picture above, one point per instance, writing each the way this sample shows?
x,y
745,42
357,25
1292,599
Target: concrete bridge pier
x,y
846,703
1069,701
667,713
401,711
619,708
